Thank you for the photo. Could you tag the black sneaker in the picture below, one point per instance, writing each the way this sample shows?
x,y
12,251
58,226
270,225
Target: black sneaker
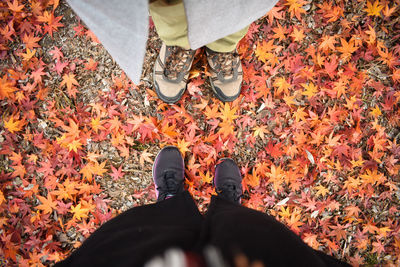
x,y
228,180
168,173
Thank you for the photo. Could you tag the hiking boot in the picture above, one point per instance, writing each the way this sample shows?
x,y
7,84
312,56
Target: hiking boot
x,y
226,74
228,180
168,173
171,72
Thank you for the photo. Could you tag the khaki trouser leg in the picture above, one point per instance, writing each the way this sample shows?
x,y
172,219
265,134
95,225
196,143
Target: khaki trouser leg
x,y
170,21
171,25
228,43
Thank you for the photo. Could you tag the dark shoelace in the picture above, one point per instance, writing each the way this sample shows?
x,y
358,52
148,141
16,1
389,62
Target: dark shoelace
x,y
229,192
172,187
225,61
175,62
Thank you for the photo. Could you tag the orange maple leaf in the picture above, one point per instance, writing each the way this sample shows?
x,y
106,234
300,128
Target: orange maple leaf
x,y
297,34
13,124
69,80
296,8
47,205
30,41
52,22
310,89
277,177
206,178
282,86
328,43
14,6
347,48
6,88
279,32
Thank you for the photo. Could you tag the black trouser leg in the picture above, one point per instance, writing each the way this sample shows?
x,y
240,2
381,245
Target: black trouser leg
x,y
236,229
140,233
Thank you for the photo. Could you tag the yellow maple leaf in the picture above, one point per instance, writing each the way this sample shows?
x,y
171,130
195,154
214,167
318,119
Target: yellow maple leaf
x,y
13,124
74,145
260,131
321,190
206,178
282,86
97,124
374,9
79,212
145,156
311,89
300,115
228,113
183,146
376,112
277,177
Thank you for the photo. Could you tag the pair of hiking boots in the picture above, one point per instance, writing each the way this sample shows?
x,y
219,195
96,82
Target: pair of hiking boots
x,y
171,73
169,173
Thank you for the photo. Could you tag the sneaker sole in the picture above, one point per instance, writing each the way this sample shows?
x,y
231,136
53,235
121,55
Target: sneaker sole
x,y
223,97
166,99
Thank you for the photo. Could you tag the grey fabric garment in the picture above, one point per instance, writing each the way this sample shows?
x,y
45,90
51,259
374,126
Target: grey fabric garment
x,y
122,25
210,20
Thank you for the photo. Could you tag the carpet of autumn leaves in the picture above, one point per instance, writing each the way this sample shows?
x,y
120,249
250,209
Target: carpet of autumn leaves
x,y
316,130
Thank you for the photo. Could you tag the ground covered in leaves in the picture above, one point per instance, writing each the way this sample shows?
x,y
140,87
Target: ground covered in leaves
x,y
316,130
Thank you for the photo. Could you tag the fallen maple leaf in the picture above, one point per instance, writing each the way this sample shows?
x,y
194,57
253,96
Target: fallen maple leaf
x,y
374,9
116,173
13,124
6,88
69,81
145,156
47,205
79,212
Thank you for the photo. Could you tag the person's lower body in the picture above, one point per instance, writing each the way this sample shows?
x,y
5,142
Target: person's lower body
x,y
139,234
136,236
171,73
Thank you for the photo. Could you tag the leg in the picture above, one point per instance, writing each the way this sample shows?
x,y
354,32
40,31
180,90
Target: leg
x,y
138,234
170,21
228,43
171,69
225,66
235,229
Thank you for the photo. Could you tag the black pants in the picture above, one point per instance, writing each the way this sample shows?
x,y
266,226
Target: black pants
x,y
139,234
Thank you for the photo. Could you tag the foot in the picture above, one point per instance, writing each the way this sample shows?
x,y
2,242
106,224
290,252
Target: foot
x,y
168,173
171,72
228,180
226,74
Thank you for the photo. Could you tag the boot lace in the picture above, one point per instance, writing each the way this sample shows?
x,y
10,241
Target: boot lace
x,y
229,192
172,187
175,62
225,62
